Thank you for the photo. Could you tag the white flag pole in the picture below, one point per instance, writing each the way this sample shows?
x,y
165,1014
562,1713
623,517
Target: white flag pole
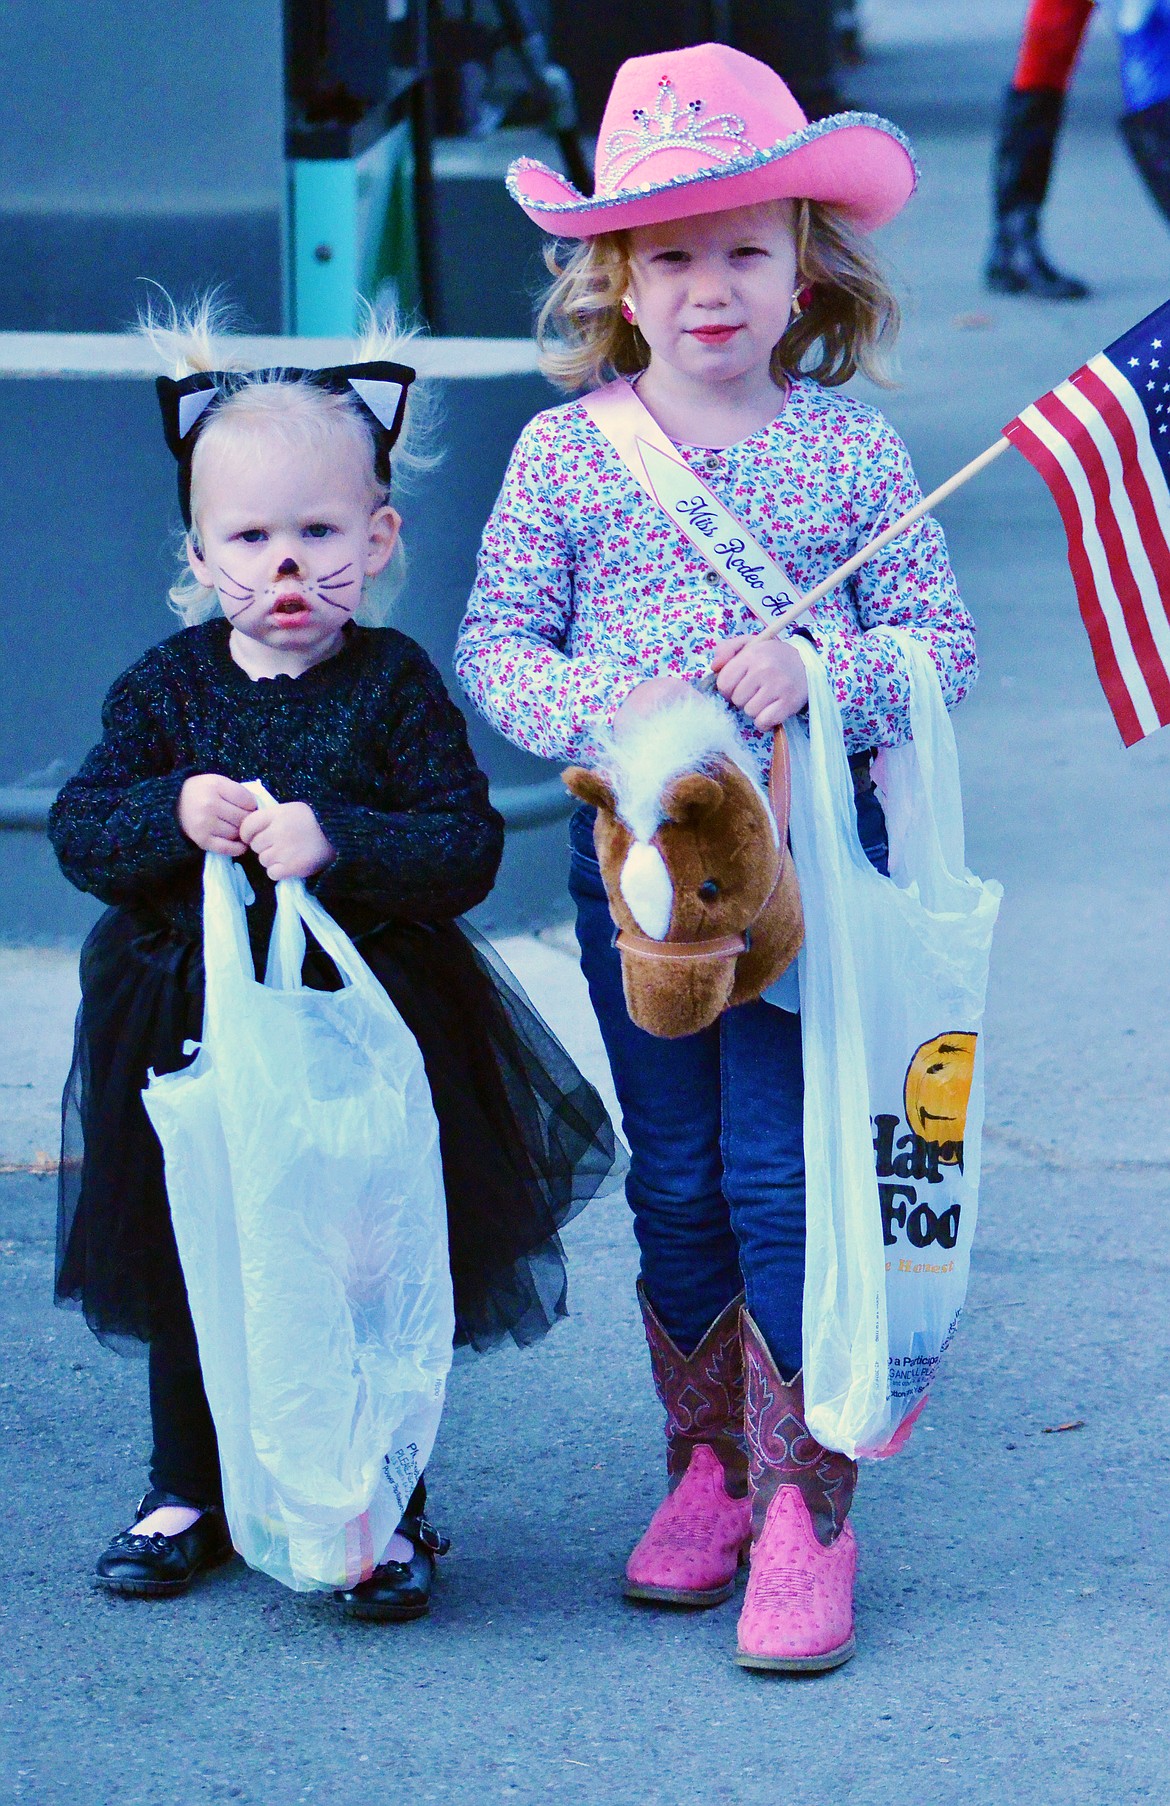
x,y
883,539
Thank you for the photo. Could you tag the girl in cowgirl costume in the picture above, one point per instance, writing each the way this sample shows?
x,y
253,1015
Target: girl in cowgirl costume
x,y
717,268
285,673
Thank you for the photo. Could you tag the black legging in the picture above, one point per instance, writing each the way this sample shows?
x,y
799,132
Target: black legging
x,y
185,1459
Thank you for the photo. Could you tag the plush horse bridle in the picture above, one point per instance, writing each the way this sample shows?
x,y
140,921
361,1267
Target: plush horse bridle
x,y
723,946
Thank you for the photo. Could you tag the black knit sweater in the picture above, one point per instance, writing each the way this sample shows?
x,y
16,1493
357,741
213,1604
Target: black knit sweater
x,y
369,739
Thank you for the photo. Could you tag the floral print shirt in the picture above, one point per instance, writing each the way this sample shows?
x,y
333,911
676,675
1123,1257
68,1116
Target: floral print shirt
x,y
585,588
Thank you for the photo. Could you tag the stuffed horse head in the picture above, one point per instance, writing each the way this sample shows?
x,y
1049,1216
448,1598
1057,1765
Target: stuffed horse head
x,y
695,863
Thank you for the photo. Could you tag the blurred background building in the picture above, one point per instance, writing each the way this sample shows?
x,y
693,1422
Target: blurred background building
x,y
286,150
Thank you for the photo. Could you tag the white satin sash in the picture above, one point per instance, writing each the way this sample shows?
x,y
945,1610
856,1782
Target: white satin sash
x,y
618,413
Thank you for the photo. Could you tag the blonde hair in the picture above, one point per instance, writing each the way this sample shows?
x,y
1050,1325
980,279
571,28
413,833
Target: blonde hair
x,y
302,415
849,324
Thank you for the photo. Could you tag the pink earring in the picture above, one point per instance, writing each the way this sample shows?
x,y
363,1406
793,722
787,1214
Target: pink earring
x,y
627,311
801,300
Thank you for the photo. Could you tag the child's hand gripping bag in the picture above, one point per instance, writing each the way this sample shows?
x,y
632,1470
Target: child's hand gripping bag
x,y
303,1171
893,977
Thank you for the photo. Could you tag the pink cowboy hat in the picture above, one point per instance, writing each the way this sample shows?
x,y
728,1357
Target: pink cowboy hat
x,y
706,129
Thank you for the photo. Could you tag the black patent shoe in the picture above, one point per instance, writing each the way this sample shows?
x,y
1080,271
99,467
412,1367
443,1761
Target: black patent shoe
x,y
399,1590
157,1566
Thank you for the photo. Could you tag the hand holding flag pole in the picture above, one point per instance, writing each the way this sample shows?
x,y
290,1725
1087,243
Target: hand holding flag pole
x,y
1101,442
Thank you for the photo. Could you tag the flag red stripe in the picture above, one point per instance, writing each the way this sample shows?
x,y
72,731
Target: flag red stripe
x,y
1060,416
1104,658
1137,488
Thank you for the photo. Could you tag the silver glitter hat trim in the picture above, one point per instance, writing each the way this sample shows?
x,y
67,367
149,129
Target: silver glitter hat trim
x,y
784,147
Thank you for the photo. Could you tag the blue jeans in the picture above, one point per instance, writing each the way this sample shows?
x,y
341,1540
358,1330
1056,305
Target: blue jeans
x,y
715,1126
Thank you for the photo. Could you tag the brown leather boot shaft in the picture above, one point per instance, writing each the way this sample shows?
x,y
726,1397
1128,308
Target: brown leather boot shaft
x,y
783,1451
702,1394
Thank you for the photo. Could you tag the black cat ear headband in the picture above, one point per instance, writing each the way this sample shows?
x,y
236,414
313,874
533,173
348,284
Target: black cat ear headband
x,y
379,388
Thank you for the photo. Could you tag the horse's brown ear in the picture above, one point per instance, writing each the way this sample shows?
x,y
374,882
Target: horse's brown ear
x,y
588,787
693,794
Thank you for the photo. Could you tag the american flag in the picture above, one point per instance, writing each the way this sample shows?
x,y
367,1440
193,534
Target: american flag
x,y
1101,441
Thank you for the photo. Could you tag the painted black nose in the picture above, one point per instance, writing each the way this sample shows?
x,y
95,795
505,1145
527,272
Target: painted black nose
x,y
290,568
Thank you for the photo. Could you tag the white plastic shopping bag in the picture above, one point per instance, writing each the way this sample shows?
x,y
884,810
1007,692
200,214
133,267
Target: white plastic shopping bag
x,y
893,977
303,1172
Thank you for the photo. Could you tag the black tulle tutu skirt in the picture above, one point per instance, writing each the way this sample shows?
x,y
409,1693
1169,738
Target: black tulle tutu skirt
x,y
525,1139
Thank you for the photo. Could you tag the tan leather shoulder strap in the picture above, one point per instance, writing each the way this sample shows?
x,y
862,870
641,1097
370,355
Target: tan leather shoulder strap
x,y
780,787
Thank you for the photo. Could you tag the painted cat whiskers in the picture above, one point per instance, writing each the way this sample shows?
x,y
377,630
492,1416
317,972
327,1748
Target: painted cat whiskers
x,y
330,582
231,589
239,592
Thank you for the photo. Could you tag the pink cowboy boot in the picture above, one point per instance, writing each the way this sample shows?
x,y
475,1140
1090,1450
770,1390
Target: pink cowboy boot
x,y
797,1614
700,1533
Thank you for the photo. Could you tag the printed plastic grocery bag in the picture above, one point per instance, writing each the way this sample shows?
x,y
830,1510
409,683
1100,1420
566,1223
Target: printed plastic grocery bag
x,y
893,976
303,1171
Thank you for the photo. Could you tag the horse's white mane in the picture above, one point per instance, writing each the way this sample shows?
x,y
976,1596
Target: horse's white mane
x,y
687,735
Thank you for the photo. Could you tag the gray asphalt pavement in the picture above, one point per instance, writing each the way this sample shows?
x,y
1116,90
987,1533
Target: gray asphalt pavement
x,y
1012,1605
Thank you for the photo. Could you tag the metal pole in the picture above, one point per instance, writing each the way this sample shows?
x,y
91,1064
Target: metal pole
x,y
422,130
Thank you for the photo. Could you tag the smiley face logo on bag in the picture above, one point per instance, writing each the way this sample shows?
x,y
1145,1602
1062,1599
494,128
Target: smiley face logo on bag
x,y
938,1091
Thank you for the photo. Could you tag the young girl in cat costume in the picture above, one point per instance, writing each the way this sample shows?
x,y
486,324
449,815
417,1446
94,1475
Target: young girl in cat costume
x,y
285,672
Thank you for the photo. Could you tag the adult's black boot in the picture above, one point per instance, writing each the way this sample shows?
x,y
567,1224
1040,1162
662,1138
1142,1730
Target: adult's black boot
x,y
1147,135
1016,264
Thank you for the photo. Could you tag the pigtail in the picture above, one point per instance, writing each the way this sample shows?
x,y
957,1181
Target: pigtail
x,y
381,337
198,337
